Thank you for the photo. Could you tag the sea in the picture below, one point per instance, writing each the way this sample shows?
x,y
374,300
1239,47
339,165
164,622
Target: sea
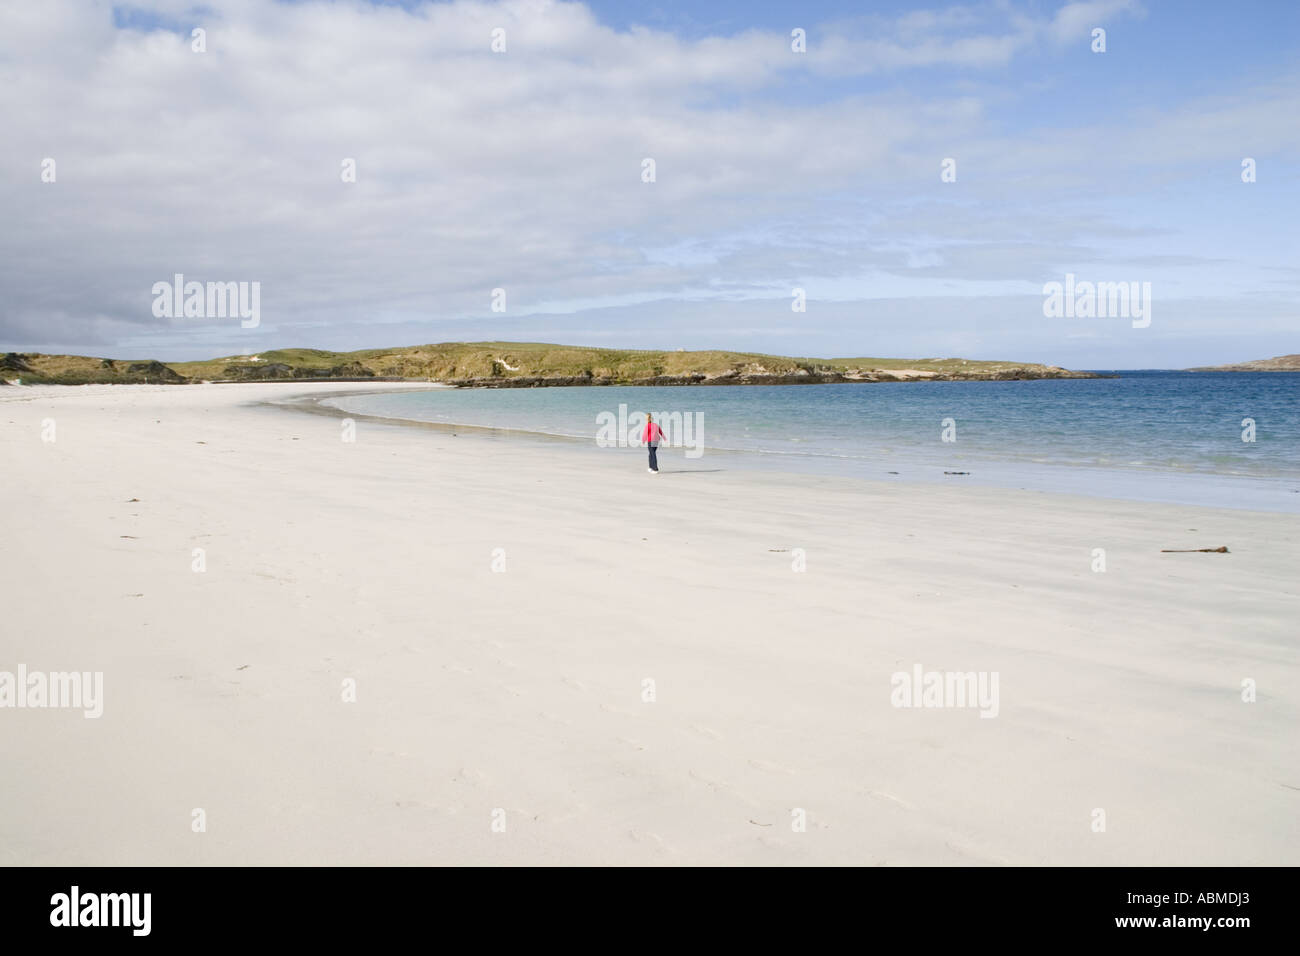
x,y
1222,439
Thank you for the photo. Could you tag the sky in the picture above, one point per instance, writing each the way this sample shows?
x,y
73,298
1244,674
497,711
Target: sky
x,y
128,156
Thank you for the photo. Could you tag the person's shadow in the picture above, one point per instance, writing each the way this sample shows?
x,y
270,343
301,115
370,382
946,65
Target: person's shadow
x,y
692,471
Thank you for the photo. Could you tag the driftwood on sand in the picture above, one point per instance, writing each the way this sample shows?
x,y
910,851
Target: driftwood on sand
x,y
1222,550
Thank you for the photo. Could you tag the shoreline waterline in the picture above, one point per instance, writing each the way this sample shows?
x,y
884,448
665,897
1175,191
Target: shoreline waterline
x,y
1256,493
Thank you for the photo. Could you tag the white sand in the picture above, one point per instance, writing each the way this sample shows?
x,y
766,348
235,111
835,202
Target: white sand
x,y
522,690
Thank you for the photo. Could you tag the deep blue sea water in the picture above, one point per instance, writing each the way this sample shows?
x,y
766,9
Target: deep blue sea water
x,y
1160,436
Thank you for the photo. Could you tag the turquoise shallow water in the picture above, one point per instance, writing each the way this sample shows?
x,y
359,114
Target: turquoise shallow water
x,y
1160,436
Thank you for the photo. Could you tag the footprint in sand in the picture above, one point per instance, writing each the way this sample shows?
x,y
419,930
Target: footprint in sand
x,y
881,795
471,776
706,731
769,767
573,813
414,804
711,784
978,856
644,836
724,788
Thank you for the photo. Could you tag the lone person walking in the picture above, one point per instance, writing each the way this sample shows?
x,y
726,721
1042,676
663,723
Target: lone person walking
x,y
652,436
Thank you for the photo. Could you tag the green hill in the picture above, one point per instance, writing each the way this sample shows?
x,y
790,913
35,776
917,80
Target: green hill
x,y
516,364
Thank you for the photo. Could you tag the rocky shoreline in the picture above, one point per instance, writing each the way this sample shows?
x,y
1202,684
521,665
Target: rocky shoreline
x,y
760,378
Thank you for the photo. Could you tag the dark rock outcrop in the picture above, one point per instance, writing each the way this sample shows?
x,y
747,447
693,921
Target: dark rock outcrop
x,y
258,372
351,370
269,371
156,371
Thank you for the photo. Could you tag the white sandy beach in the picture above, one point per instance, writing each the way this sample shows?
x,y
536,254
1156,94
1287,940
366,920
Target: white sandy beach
x,y
523,690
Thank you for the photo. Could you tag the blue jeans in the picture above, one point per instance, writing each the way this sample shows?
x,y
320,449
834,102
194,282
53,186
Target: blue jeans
x,y
654,458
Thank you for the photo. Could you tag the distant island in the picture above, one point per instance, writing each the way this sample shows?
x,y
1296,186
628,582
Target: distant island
x,y
1281,363
515,365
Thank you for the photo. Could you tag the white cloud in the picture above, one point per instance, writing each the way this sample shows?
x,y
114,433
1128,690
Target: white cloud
x,y
1076,21
518,170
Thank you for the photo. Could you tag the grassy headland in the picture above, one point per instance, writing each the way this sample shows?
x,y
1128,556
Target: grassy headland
x,y
1279,363
516,365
